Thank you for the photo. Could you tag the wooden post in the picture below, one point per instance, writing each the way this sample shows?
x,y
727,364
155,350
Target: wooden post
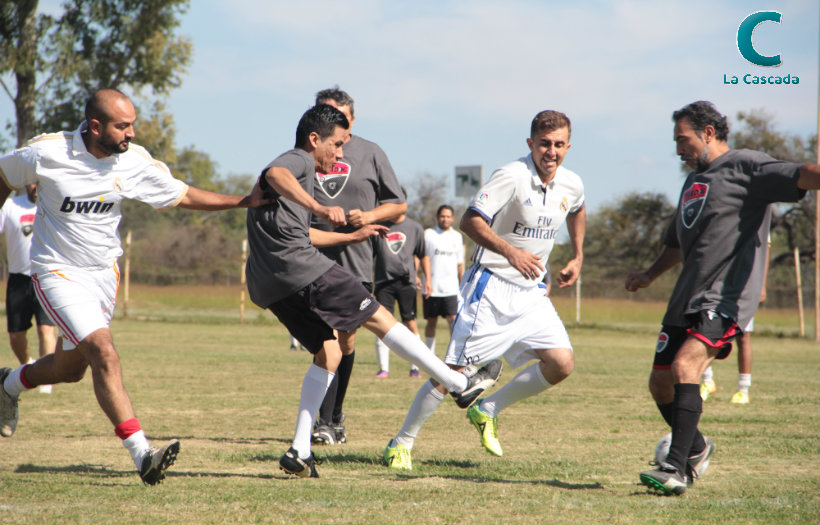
x,y
126,275
242,281
799,282
578,300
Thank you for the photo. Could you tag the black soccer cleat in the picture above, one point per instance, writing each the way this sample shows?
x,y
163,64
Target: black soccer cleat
x,y
292,464
478,380
157,461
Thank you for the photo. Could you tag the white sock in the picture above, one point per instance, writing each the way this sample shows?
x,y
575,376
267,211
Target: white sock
x,y
528,382
426,402
708,375
13,385
407,346
382,355
744,381
431,343
314,388
414,368
137,446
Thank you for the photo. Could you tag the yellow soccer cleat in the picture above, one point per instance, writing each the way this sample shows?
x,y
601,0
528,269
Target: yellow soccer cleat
x,y
397,456
740,398
707,388
487,428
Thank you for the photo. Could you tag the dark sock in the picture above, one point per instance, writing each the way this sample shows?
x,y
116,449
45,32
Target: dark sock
x,y
326,410
668,413
688,407
343,374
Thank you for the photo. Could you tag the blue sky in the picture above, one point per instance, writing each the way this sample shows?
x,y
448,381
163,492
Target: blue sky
x,y
444,83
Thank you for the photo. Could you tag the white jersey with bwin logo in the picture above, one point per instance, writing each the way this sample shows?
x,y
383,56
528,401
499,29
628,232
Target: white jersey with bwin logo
x,y
526,213
79,197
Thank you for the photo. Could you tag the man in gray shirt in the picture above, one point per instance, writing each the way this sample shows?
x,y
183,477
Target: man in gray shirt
x,y
312,295
397,258
719,233
365,186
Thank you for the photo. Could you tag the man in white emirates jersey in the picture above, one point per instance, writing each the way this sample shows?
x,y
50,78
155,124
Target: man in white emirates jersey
x,y
17,222
82,177
503,303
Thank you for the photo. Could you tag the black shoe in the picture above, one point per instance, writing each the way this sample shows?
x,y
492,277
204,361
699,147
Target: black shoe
x,y
479,380
339,430
291,463
157,461
665,479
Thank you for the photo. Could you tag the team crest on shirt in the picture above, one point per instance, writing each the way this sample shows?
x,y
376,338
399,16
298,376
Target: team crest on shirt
x,y
118,185
395,240
663,340
694,197
27,224
334,182
564,205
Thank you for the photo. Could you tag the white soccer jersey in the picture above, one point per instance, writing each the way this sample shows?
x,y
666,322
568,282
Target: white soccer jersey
x,y
79,197
446,252
526,213
17,221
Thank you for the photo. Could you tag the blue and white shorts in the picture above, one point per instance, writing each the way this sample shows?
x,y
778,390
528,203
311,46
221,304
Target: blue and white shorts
x,y
499,318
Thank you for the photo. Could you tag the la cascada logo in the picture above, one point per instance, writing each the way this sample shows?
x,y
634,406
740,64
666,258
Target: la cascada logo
x,y
748,51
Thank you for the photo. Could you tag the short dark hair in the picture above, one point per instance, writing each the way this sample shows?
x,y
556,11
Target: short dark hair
x,y
445,207
321,119
95,107
549,120
337,95
701,114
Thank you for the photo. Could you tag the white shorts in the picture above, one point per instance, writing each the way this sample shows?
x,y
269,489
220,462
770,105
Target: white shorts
x,y
79,301
498,318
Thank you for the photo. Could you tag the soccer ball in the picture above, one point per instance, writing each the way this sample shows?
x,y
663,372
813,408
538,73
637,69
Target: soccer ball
x,y
662,450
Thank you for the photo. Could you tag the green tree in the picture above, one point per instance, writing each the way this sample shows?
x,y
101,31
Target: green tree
x,y
626,234
56,63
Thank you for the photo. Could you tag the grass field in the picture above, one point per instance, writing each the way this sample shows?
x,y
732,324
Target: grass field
x,y
572,455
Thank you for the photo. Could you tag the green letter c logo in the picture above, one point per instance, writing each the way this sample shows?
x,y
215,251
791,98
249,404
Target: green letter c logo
x,y
744,38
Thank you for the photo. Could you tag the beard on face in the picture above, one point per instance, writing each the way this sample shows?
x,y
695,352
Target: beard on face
x,y
112,147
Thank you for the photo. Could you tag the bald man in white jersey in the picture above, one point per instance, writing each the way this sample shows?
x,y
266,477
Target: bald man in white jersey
x,y
503,303
82,177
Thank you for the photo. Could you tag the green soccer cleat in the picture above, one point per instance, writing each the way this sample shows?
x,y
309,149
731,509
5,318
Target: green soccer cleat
x,y
397,456
665,480
487,428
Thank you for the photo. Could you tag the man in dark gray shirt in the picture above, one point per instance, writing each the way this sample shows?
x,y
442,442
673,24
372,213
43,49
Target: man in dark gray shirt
x,y
397,258
312,295
365,186
719,233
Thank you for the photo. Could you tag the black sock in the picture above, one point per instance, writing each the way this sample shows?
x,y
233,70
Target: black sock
x,y
326,410
688,407
343,374
668,413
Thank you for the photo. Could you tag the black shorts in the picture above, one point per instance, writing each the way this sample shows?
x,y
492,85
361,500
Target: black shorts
x,y
440,306
388,292
22,304
334,301
712,329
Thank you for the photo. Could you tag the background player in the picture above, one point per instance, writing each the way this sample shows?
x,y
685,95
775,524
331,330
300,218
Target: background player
x,y
445,247
17,221
398,257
